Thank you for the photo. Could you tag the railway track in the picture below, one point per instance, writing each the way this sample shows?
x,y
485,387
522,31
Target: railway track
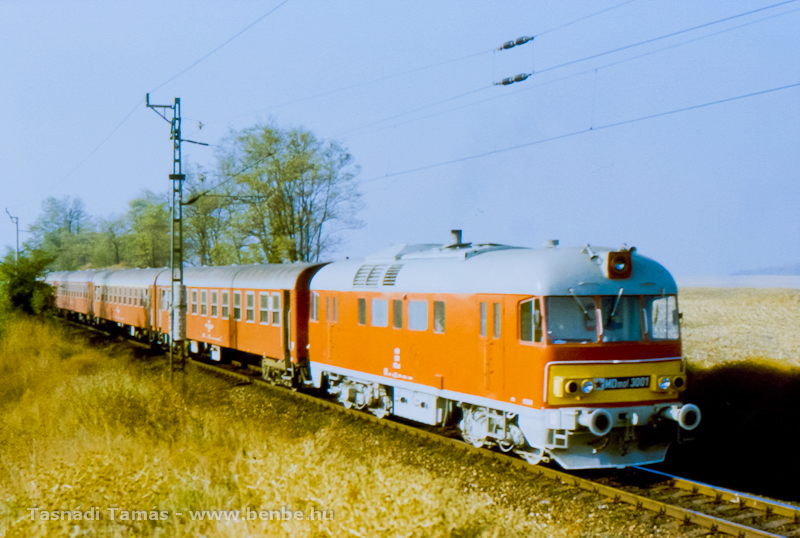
x,y
710,509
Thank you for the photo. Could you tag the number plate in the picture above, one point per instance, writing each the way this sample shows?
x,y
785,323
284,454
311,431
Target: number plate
x,y
613,383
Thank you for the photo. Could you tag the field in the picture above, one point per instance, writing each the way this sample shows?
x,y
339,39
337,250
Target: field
x,y
743,351
738,324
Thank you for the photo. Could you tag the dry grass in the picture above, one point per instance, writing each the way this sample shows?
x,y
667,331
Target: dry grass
x,y
79,429
739,324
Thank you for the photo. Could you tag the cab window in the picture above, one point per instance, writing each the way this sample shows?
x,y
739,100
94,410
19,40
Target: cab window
x,y
571,319
530,321
662,317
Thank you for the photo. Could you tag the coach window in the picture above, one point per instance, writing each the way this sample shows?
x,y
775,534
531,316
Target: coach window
x,y
225,304
250,306
204,302
362,311
276,309
263,308
438,317
194,301
380,313
146,298
530,321
214,296
418,315
397,314
483,319
314,306
237,305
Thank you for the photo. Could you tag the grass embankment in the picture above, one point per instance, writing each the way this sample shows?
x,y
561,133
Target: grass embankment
x,y
82,431
743,352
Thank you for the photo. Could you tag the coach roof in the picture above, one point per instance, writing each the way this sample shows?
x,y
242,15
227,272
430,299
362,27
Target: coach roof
x,y
268,276
492,269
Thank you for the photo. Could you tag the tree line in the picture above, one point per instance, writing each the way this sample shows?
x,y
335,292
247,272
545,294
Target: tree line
x,y
275,195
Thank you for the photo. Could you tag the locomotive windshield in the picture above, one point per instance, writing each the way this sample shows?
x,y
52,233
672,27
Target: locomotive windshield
x,y
662,317
573,319
622,319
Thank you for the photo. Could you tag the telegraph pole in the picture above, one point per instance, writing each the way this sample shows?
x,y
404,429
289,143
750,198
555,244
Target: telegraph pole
x,y
15,220
177,339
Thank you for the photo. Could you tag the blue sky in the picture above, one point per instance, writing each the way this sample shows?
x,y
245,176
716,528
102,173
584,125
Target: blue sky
x,y
707,191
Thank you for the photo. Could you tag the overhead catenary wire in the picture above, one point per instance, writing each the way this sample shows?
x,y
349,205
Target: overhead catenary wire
x,y
506,95
593,56
223,44
577,132
409,71
138,103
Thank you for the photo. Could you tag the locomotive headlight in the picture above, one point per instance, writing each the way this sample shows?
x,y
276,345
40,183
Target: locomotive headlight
x,y
664,383
587,386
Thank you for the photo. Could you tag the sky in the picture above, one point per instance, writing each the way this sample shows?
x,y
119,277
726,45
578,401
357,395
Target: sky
x,y
633,128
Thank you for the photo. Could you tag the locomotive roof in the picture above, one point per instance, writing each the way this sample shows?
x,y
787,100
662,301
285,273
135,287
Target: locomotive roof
x,y
492,269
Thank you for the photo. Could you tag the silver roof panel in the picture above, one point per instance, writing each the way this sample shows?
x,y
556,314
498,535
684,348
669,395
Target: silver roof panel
x,y
496,269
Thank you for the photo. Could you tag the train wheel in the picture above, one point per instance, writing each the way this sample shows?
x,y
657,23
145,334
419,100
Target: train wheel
x,y
531,455
474,426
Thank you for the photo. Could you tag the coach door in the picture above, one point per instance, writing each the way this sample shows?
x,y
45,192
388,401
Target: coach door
x,y
491,343
287,325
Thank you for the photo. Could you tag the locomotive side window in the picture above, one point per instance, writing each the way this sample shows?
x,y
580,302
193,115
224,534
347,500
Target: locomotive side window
x,y
497,320
276,309
335,310
327,308
194,302
204,303
250,306
438,317
380,313
397,314
622,319
418,315
483,319
662,317
314,306
263,308
530,321
362,311
237,305
225,304
214,297
571,319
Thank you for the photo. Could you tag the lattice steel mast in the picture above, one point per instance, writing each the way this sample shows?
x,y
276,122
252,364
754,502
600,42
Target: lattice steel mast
x,y
177,338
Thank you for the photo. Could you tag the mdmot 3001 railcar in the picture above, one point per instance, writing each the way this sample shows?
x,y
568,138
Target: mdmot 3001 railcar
x,y
564,354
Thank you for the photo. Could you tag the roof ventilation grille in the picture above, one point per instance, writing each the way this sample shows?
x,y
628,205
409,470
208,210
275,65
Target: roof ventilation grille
x,y
361,276
391,274
374,276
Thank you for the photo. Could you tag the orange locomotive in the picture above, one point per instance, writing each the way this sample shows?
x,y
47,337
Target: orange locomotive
x,y
570,354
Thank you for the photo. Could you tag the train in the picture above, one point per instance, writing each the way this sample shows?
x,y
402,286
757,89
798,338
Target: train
x,y
563,354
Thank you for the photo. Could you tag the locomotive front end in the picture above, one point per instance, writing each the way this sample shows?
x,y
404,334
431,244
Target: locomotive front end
x,y
609,333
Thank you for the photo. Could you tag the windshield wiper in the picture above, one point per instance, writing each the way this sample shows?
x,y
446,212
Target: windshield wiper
x,y
580,304
616,304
